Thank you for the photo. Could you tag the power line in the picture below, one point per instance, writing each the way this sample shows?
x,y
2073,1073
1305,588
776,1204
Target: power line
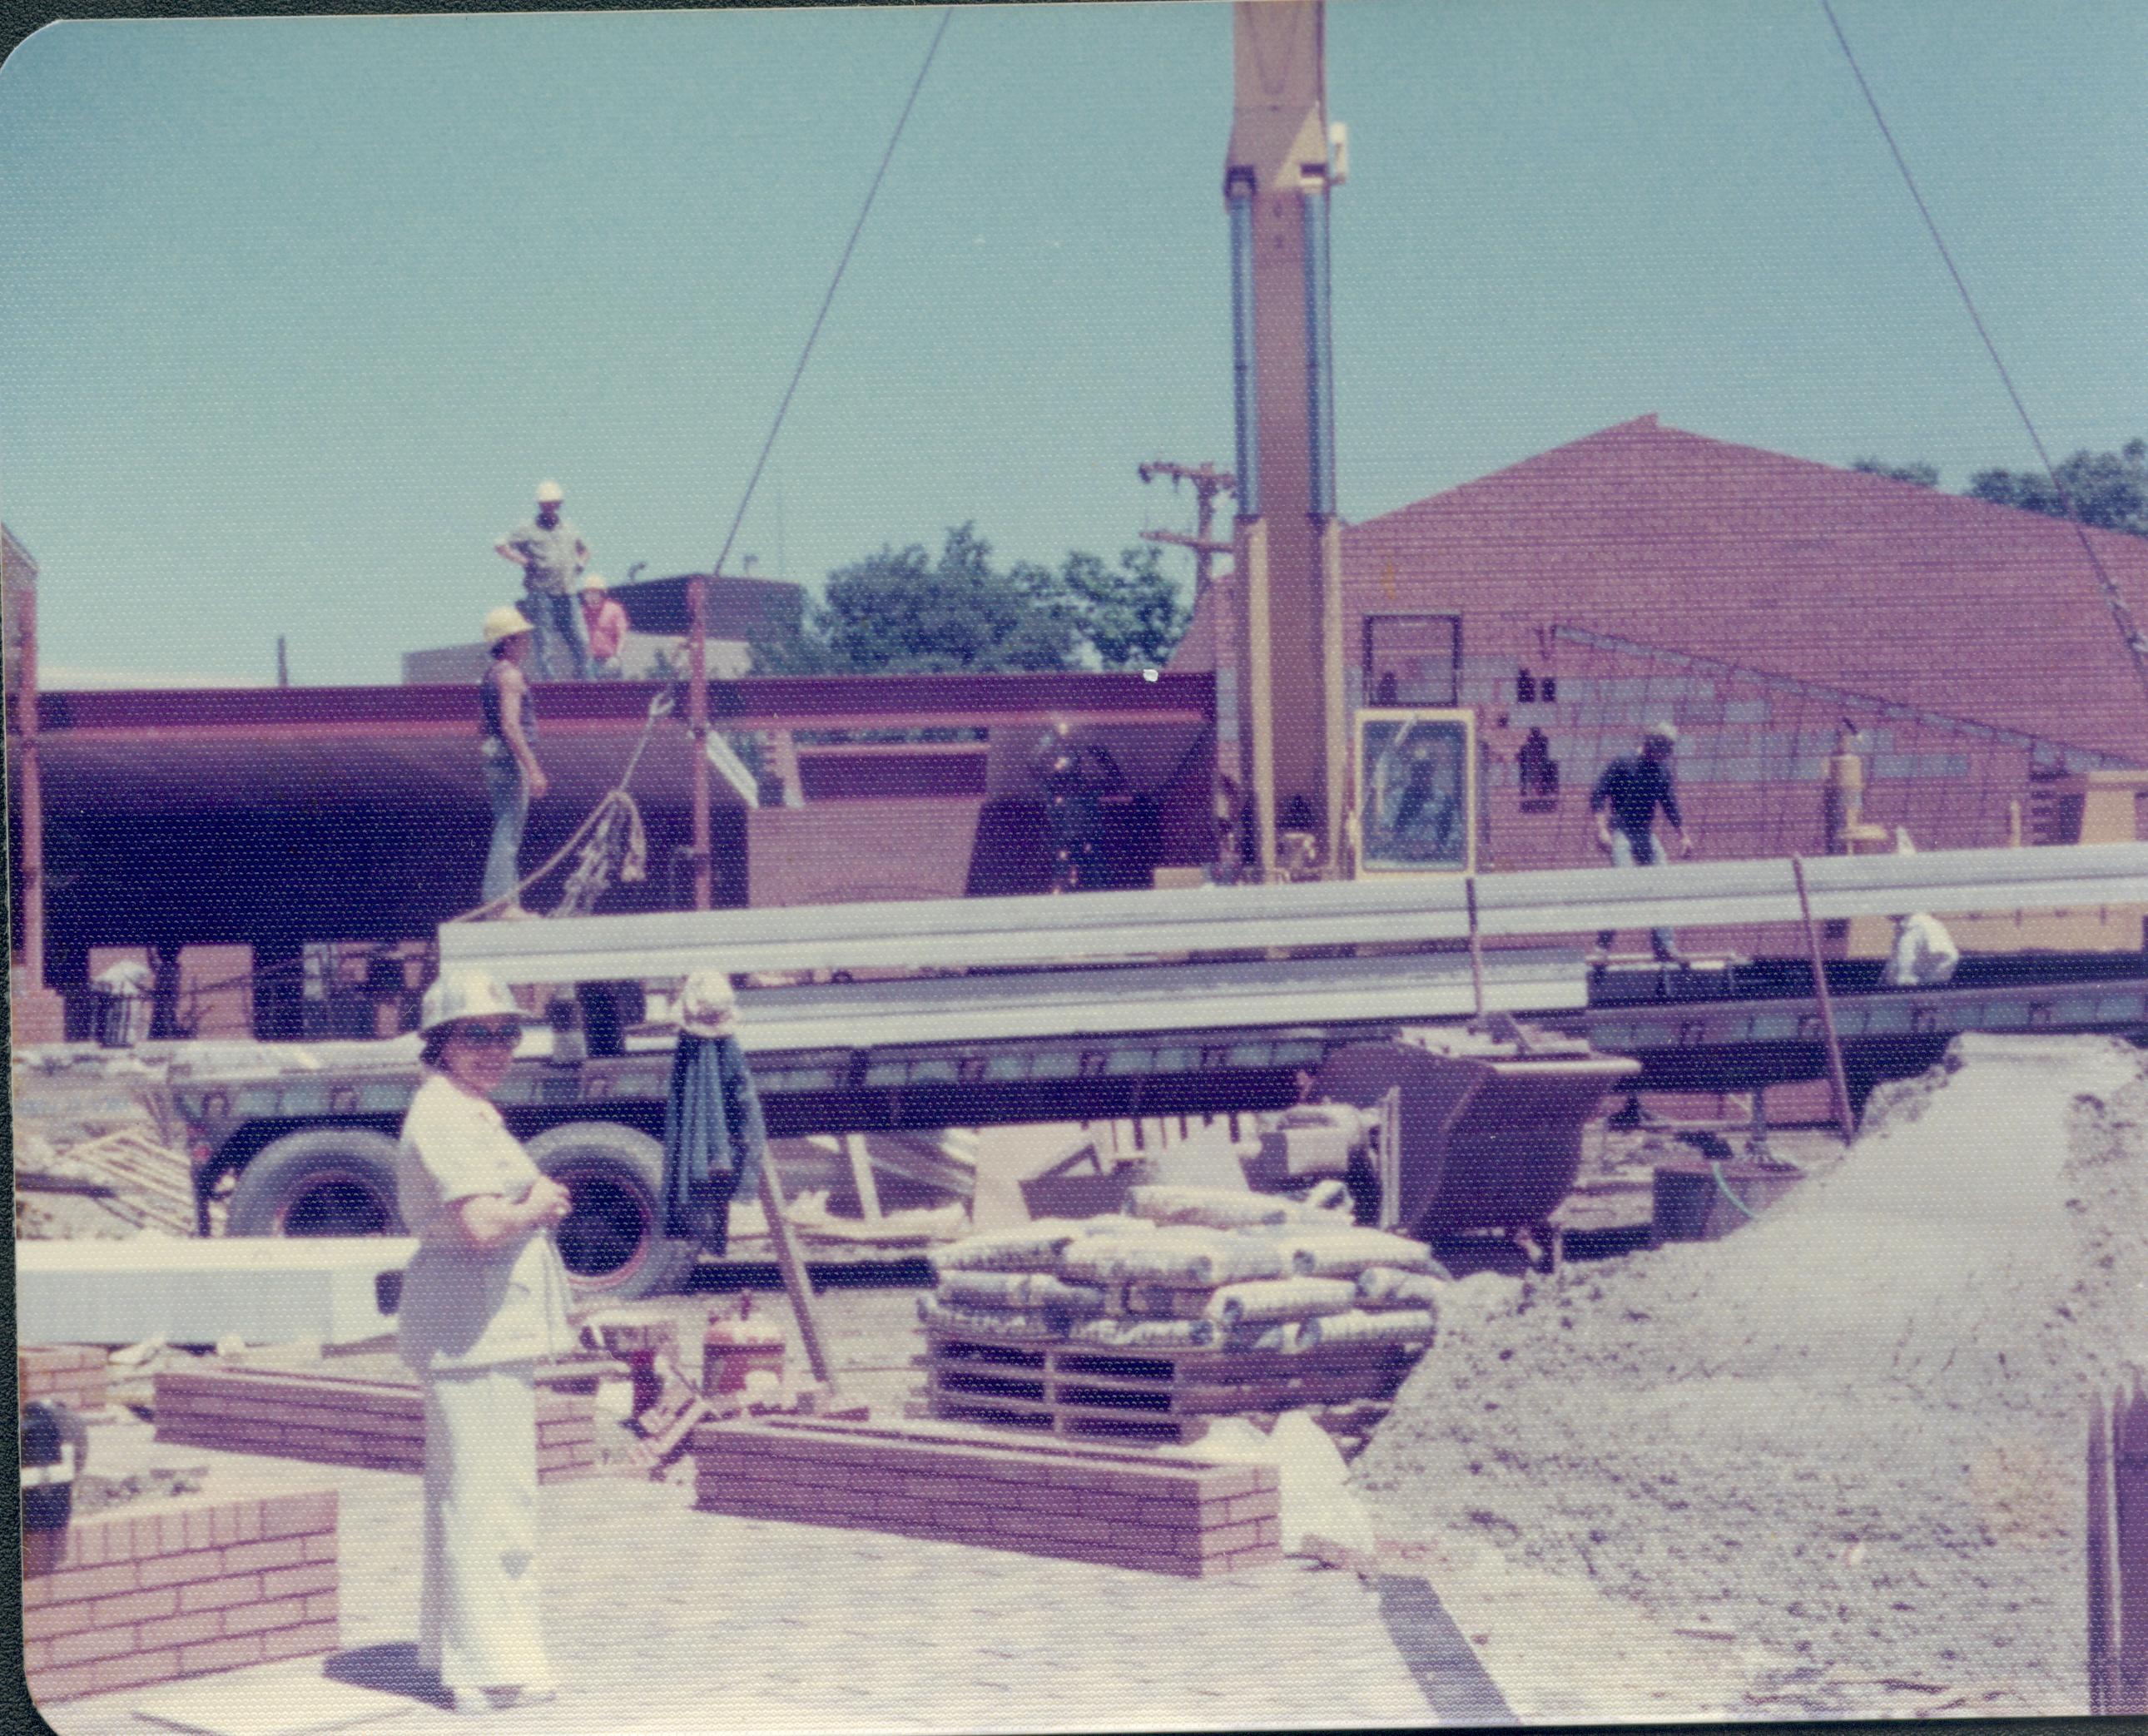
x,y
828,300
2128,631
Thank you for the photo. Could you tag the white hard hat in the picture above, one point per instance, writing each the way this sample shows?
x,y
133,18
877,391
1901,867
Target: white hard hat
x,y
708,1006
550,494
505,622
1661,731
593,581
466,994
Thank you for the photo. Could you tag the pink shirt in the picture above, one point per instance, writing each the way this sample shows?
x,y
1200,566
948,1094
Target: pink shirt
x,y
607,627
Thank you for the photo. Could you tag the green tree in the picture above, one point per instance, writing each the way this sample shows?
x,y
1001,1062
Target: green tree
x,y
2108,490
901,611
1925,476
1130,616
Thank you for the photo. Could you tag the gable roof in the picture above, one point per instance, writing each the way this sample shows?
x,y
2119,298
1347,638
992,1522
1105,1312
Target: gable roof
x,y
1984,612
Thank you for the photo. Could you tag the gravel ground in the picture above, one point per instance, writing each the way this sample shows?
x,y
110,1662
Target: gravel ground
x,y
1850,1433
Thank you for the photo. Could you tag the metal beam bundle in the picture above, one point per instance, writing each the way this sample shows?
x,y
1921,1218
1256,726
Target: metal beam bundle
x,y
1134,928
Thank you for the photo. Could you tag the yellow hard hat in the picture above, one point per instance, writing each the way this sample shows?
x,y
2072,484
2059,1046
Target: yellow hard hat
x,y
593,581
550,494
505,622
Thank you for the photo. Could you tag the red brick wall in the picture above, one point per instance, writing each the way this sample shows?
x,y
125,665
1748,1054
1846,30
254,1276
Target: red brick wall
x,y
171,1588
1085,1505
371,1423
71,1373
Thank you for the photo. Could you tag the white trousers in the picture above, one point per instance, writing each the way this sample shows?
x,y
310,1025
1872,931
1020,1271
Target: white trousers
x,y
478,1623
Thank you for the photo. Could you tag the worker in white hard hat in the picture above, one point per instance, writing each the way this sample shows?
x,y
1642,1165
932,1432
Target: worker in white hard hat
x,y
513,778
1624,802
604,624
1924,955
551,554
484,1300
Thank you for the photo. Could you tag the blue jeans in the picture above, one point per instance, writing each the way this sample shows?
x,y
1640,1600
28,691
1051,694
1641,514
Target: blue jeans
x,y
510,809
1631,852
557,616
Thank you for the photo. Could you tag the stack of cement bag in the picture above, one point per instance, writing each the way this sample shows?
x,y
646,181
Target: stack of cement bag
x,y
1191,1268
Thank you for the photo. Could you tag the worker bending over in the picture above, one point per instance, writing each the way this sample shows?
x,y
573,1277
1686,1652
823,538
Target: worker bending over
x,y
1624,802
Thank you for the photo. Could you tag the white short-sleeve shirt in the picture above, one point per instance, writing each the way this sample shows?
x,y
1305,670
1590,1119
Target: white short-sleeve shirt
x,y
461,1308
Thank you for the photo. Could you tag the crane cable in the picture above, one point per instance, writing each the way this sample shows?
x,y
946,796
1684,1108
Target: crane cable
x,y
828,300
2128,631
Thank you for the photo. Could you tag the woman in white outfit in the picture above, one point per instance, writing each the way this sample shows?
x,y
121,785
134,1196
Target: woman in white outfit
x,y
484,1299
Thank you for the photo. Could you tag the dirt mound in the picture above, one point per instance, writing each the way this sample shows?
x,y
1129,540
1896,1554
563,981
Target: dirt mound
x,y
1854,1429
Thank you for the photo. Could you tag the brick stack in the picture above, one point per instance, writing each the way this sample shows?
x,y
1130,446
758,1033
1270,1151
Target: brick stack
x,y
72,1374
330,1420
1121,1508
160,1590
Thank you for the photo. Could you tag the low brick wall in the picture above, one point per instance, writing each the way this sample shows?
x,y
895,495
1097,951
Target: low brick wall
x,y
74,1374
1122,1508
158,1590
329,1420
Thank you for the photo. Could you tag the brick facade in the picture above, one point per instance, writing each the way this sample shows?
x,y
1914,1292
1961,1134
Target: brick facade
x,y
165,1589
72,1374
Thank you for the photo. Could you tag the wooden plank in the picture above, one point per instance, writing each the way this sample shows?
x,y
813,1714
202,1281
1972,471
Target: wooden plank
x,y
2102,1610
2130,1488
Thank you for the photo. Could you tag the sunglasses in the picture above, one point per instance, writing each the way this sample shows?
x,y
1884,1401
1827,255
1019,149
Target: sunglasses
x,y
490,1037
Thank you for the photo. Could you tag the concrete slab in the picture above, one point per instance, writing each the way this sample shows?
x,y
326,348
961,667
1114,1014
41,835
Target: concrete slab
x,y
274,1700
264,1289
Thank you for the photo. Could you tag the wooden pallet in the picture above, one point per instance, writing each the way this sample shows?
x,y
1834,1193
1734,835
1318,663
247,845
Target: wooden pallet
x,y
1074,1389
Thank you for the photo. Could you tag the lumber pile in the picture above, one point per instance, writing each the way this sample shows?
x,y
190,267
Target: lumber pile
x,y
1199,1303
1135,1510
140,1181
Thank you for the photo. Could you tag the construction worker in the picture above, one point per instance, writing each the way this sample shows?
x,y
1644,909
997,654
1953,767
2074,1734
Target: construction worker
x,y
513,778
551,554
1624,802
484,1300
604,624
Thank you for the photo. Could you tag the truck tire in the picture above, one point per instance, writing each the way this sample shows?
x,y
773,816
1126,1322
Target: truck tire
x,y
612,1242
319,1182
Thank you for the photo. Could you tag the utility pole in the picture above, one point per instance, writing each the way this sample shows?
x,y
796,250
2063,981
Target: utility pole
x,y
1223,611
697,725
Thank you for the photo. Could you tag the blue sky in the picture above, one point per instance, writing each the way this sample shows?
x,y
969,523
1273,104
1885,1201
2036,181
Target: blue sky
x,y
299,311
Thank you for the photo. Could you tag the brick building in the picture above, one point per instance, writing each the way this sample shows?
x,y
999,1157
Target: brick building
x,y
1759,602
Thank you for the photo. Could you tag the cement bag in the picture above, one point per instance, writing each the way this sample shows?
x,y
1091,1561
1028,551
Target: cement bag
x,y
1198,1259
1280,1299
1214,1208
1402,1325
1389,1287
1321,1518
1156,1334
1019,1289
985,1322
1345,1253
1114,1223
1034,1247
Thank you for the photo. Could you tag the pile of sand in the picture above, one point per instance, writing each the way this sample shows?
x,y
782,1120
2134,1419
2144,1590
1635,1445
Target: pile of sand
x,y
1853,1430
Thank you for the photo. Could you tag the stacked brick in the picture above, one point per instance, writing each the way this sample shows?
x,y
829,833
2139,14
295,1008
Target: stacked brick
x,y
1119,1508
71,1374
156,1591
379,1424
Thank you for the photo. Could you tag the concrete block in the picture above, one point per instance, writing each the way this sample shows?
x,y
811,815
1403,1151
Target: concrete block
x,y
262,1289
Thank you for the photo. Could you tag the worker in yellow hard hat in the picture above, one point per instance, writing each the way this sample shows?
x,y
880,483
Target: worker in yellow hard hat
x,y
513,778
551,553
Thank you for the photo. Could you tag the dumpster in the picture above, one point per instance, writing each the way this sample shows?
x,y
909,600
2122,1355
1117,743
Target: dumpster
x,y
1484,1121
123,1004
